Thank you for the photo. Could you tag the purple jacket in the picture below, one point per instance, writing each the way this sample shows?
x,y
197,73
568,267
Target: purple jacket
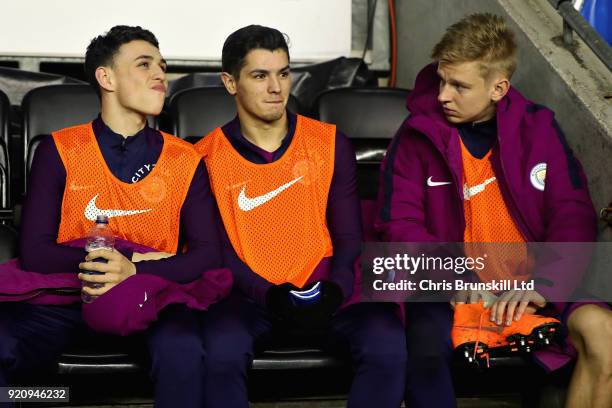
x,y
426,145
133,305
128,307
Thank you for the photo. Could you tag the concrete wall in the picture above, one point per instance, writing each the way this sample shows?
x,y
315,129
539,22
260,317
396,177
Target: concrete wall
x,y
575,84
379,46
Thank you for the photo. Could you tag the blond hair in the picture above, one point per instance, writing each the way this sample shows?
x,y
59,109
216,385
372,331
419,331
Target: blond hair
x,y
480,37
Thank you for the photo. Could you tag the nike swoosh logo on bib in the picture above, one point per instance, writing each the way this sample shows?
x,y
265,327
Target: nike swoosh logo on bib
x,y
92,211
432,183
247,204
478,188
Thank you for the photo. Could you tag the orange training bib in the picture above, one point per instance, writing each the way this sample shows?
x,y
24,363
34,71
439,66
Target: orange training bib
x,y
147,212
275,213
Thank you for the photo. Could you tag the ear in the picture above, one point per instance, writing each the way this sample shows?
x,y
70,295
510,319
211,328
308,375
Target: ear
x,y
501,86
229,82
104,76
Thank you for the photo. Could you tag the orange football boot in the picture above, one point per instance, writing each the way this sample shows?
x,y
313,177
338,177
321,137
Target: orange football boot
x,y
474,335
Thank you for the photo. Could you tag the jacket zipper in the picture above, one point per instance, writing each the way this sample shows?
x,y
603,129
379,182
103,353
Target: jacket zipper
x,y
517,217
458,190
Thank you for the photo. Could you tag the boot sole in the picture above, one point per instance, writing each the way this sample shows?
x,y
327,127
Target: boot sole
x,y
539,337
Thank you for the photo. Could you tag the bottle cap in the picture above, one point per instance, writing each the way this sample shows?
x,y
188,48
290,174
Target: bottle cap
x,y
102,219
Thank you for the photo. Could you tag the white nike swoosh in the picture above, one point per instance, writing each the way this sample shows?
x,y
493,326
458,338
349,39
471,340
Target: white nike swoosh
x,y
144,301
247,204
92,211
469,192
432,183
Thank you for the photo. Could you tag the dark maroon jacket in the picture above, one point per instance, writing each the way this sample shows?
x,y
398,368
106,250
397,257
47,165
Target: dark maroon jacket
x,y
426,145
129,307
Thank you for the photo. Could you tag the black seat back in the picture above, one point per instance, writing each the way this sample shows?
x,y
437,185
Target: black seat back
x,y
53,107
5,171
369,117
194,80
197,111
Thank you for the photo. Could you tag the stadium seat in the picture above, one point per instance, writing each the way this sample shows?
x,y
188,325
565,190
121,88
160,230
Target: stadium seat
x,y
309,81
599,15
5,173
9,242
16,83
108,354
194,80
369,117
197,111
54,107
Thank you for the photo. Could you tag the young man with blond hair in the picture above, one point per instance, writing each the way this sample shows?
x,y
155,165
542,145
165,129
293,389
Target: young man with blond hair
x,y
477,162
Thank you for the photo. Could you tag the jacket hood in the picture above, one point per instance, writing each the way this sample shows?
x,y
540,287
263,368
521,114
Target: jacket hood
x,y
423,99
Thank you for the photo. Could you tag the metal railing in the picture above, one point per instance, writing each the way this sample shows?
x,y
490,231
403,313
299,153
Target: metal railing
x,y
573,21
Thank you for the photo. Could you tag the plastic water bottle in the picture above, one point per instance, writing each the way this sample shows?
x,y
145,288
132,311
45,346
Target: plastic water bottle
x,y
100,236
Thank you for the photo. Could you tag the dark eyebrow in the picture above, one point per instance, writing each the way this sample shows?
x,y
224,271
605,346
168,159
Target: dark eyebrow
x,y
263,71
162,61
144,56
150,58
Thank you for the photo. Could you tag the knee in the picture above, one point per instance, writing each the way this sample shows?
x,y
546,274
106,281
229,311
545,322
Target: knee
x,y
386,358
427,364
8,352
429,353
590,324
183,351
429,348
388,350
225,353
591,327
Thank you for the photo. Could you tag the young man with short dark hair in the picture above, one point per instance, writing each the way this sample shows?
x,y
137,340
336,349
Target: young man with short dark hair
x,y
286,190
154,189
477,162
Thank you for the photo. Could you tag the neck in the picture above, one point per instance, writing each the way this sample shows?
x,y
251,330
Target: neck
x,y
265,135
122,121
487,114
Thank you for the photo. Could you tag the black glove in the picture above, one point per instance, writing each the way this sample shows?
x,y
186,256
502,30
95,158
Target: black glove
x,y
278,301
311,312
317,314
331,296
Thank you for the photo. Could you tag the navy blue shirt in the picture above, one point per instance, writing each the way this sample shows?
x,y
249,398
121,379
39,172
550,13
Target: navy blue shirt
x,y
343,211
130,160
479,137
